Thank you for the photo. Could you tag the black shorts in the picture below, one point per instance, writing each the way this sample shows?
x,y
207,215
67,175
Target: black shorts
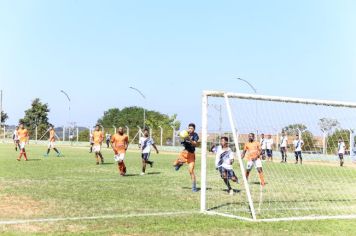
x,y
298,154
269,152
283,149
145,156
341,155
263,152
227,173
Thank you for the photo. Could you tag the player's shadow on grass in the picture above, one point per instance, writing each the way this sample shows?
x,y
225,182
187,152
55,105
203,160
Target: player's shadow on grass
x,y
224,205
108,163
153,173
131,175
197,188
34,159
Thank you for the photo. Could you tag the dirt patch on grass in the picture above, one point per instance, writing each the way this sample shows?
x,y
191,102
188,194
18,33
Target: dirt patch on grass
x,y
21,207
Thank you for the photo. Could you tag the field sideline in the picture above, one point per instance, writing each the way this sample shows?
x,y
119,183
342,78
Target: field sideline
x,y
159,203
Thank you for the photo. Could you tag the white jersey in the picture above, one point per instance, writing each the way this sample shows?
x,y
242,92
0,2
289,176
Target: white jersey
x,y
263,143
341,148
108,136
284,141
269,143
298,143
224,158
15,135
145,144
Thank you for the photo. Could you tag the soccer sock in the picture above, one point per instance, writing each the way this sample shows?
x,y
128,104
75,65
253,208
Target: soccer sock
x,y
101,156
226,181
56,150
262,179
247,174
48,150
194,185
149,162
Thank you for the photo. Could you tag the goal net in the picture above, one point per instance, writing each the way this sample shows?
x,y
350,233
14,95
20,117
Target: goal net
x,y
307,157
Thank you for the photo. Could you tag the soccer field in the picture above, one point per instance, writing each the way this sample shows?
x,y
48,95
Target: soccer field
x,y
71,195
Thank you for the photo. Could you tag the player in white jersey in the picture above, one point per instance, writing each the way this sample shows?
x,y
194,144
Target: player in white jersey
x,y
223,162
15,137
91,141
145,144
108,139
283,147
263,147
298,145
341,150
269,145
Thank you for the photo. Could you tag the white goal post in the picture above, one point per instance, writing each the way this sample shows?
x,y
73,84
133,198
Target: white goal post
x,y
291,191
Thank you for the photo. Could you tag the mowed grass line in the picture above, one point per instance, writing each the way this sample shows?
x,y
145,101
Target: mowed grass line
x,y
74,186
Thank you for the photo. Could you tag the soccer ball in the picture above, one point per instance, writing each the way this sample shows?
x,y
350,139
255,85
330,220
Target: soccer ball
x,y
183,134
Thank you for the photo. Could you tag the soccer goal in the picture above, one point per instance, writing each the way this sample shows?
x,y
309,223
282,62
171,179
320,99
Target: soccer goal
x,y
307,155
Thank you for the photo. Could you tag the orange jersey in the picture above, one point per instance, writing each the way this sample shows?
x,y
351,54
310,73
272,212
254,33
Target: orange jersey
x,y
52,135
119,143
253,150
23,135
98,137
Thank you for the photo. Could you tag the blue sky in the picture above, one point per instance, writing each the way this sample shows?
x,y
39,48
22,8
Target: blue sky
x,y
171,51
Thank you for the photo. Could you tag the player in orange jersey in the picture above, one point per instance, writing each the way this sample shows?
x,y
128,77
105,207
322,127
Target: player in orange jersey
x,y
23,137
52,142
98,138
120,143
253,151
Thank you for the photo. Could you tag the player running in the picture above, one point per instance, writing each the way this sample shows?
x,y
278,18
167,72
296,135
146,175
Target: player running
x,y
119,143
52,141
283,147
341,150
15,137
298,145
98,138
253,149
188,154
145,144
23,137
223,162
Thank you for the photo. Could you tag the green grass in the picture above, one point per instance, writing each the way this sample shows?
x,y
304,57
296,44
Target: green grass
x,y
73,186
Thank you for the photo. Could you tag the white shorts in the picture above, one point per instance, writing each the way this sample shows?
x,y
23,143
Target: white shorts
x,y
51,145
119,157
96,148
257,163
22,145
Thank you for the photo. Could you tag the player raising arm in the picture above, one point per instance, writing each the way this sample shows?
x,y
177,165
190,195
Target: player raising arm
x,y
188,154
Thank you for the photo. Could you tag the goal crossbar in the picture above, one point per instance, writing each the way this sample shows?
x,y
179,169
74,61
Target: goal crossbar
x,y
279,99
